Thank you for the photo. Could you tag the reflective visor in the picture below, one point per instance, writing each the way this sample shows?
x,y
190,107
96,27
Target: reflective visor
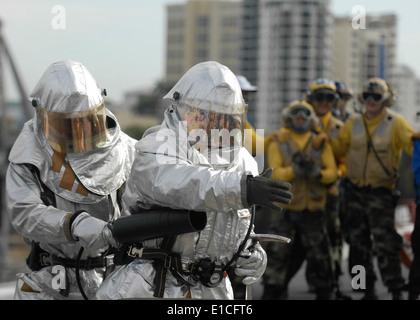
x,y
213,128
74,132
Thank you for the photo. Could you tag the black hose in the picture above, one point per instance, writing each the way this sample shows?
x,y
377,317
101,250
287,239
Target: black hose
x,y
79,283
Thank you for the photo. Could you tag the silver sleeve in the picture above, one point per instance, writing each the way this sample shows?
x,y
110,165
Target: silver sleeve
x,y
30,217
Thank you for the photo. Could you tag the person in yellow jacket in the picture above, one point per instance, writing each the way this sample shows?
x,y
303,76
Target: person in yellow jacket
x,y
305,159
323,96
371,142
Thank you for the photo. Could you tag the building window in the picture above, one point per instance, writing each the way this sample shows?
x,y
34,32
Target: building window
x,y
201,54
202,38
203,21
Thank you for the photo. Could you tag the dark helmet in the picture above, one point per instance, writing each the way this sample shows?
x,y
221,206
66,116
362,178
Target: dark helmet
x,y
342,90
379,91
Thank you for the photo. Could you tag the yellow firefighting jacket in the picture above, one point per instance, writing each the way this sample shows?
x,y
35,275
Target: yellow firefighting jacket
x,y
330,125
307,193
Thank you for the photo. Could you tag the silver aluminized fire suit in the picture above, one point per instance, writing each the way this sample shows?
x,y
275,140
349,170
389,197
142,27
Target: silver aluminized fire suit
x,y
169,171
89,180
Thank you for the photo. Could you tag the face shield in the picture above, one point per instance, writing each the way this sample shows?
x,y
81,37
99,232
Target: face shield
x,y
209,100
213,129
69,132
70,108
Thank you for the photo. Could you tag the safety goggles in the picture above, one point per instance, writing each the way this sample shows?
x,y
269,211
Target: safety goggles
x,y
322,96
74,132
300,111
345,96
375,97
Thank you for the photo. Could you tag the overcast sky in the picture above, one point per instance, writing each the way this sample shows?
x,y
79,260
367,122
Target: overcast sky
x,y
123,42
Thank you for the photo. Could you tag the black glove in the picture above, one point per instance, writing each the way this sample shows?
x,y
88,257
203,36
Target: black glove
x,y
303,166
299,164
263,191
298,170
313,170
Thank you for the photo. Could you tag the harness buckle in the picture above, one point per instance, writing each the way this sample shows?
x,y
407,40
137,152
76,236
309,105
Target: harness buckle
x,y
168,262
135,252
109,260
110,264
45,259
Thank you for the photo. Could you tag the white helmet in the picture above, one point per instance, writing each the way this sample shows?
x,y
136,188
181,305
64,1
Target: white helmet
x,y
245,84
70,108
210,100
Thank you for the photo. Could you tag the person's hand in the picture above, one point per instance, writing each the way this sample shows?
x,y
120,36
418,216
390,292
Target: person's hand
x,y
313,170
94,234
251,264
299,164
298,170
265,192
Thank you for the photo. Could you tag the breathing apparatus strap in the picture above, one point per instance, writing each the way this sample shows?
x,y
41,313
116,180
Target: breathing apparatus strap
x,y
372,147
47,196
162,269
243,244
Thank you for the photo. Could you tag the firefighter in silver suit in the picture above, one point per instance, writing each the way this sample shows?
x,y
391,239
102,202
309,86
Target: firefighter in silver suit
x,y
65,178
195,160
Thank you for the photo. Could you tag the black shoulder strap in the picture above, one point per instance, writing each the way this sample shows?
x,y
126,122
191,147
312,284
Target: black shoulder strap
x,y
161,268
371,146
47,196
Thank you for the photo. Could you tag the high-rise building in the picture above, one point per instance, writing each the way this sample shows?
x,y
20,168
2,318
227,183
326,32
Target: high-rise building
x,y
202,30
249,50
249,43
360,54
407,87
294,48
347,53
279,45
379,49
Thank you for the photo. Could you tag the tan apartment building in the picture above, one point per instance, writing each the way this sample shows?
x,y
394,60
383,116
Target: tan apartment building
x,y
202,30
359,54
